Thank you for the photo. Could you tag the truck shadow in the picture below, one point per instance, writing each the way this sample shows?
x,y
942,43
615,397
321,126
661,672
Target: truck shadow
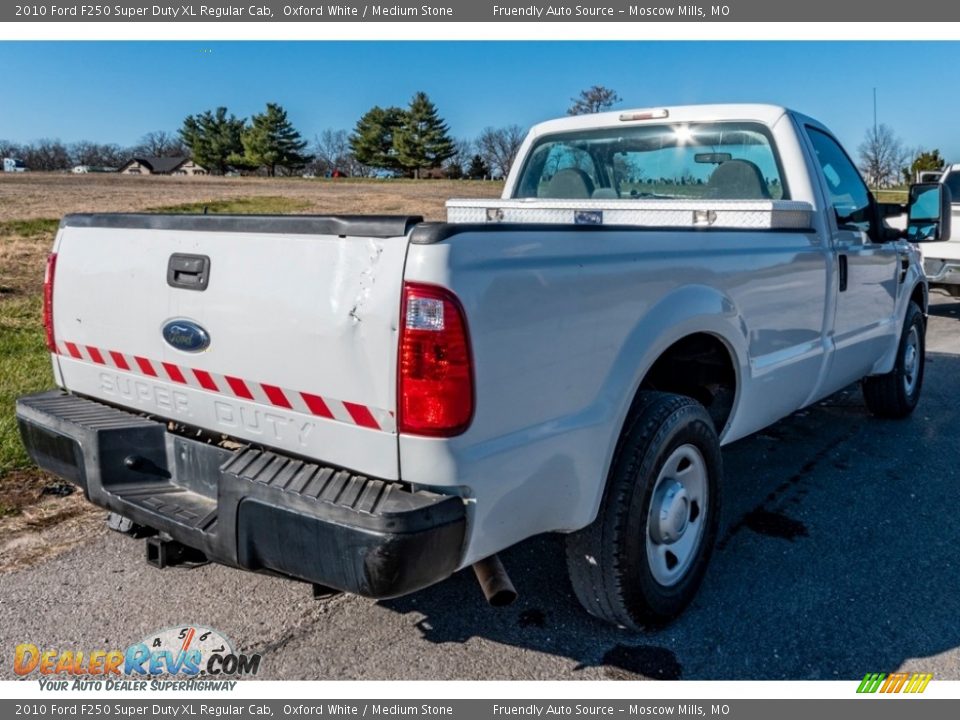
x,y
945,306
836,557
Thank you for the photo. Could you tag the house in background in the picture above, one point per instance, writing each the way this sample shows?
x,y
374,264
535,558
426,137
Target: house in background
x,y
13,165
162,166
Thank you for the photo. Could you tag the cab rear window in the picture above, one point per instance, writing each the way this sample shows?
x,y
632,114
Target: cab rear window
x,y
723,161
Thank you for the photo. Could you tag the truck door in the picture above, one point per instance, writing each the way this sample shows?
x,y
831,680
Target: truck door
x,y
866,271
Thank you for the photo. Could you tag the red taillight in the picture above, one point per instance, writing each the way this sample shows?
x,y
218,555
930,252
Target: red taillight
x,y
48,301
435,383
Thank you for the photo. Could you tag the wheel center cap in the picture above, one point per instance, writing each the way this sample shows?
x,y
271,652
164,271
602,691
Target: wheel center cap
x,y
910,360
672,509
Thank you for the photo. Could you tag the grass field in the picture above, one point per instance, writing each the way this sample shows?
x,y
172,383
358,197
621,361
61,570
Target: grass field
x,y
32,204
891,196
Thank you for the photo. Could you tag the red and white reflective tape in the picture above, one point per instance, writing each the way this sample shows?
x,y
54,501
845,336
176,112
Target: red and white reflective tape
x,y
258,392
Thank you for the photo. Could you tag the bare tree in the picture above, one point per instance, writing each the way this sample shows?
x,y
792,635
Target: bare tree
x,y
10,149
160,143
499,146
882,155
46,155
463,152
332,151
84,152
98,155
593,100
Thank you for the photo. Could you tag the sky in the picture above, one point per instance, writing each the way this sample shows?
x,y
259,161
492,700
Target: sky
x,y
118,91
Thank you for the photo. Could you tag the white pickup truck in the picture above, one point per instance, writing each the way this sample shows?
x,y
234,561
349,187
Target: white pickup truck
x,y
372,403
941,262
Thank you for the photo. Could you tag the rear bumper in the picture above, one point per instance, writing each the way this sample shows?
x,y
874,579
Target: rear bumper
x,y
250,508
941,271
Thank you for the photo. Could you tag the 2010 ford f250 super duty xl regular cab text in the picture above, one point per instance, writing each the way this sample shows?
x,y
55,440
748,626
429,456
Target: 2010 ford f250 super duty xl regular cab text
x,y
372,403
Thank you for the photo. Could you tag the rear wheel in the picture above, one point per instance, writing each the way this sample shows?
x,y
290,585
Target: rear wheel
x,y
895,394
643,558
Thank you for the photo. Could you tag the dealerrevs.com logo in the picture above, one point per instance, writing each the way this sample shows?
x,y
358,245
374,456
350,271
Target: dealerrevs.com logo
x,y
197,657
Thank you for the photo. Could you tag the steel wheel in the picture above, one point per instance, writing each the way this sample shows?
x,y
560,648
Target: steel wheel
x,y
911,361
676,519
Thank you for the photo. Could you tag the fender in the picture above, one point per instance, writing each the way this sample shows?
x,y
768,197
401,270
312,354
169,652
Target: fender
x,y
914,278
689,310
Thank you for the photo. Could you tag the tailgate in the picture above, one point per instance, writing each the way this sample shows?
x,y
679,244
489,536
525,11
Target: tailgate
x,y
286,338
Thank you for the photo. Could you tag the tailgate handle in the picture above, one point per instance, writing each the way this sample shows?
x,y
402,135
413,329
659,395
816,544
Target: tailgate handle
x,y
189,272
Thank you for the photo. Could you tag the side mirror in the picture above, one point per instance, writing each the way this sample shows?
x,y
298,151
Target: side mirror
x,y
928,213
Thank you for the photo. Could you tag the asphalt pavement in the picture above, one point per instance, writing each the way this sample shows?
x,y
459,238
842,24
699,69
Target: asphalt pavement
x,y
837,557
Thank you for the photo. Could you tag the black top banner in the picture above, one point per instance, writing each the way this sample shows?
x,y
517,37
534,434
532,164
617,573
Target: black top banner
x,y
486,11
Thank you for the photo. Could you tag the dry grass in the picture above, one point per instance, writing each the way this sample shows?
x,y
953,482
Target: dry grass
x,y
22,265
25,196
47,528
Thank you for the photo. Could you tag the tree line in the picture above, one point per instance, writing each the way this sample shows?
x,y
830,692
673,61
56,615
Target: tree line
x,y
412,142
47,154
387,141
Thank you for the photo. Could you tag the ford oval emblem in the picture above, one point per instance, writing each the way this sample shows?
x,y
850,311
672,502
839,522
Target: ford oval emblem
x,y
186,335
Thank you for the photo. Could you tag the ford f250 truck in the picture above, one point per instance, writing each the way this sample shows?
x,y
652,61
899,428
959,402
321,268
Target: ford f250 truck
x,y
372,403
941,262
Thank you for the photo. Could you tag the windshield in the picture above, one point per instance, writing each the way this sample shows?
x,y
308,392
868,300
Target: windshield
x,y
724,161
952,181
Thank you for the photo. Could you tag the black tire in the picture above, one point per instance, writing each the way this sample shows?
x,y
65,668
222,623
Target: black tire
x,y
895,394
608,562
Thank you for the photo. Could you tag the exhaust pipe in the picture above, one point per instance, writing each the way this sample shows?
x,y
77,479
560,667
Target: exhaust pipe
x,y
494,581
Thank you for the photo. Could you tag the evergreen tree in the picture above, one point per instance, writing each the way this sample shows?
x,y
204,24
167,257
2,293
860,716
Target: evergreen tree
x,y
372,138
478,169
213,138
271,141
423,140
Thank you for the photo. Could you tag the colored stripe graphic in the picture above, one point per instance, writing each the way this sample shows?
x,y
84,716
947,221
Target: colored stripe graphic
x,y
894,682
254,391
918,683
239,387
898,682
871,682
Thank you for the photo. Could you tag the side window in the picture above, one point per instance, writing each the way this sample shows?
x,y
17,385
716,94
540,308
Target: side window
x,y
848,192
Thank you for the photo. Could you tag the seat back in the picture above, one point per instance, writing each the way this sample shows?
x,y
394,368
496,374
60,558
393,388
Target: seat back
x,y
737,180
571,183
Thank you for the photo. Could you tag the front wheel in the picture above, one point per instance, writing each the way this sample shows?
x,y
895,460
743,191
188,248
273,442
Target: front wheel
x,y
895,394
643,558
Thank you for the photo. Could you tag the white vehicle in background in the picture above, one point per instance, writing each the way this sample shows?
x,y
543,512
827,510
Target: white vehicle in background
x,y
372,403
941,261
13,165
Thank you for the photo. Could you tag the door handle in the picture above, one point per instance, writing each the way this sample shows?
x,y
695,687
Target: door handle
x,y
189,272
842,262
